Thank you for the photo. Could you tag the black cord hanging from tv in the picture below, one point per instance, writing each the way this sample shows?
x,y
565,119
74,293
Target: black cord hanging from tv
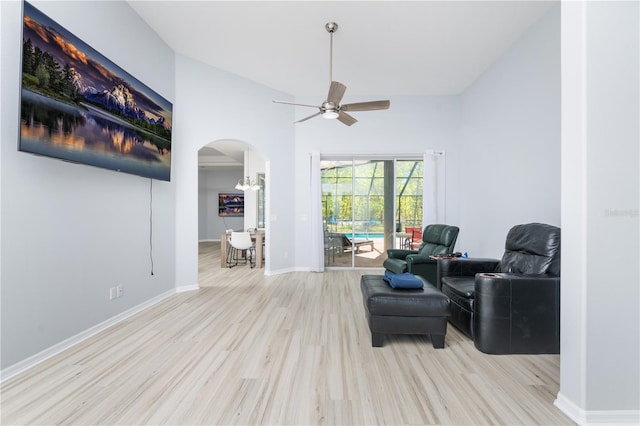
x,y
151,223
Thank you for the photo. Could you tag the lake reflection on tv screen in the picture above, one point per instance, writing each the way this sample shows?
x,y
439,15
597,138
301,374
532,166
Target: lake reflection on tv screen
x,y
85,134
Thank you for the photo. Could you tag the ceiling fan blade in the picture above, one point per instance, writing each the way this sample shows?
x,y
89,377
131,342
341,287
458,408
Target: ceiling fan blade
x,y
311,116
366,106
336,92
345,118
292,103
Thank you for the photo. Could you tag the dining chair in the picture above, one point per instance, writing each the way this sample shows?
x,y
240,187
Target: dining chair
x,y
240,243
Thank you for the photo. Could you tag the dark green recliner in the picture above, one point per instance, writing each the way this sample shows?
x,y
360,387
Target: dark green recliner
x,y
436,240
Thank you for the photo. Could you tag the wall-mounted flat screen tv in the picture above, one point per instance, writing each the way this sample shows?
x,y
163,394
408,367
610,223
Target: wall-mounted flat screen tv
x,y
78,106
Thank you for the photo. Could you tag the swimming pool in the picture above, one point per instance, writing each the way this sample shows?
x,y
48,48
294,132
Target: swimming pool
x,y
369,235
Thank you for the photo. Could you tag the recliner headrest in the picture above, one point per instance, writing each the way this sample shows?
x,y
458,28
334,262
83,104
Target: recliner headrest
x,y
444,235
532,248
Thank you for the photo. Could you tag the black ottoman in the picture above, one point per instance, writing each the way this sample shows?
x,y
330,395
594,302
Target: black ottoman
x,y
400,311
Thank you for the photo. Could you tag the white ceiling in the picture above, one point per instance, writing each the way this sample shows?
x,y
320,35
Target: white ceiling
x,y
222,154
382,48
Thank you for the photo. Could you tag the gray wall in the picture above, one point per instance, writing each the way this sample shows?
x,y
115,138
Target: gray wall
x,y
600,364
70,232
509,142
242,112
211,182
501,137
612,208
411,125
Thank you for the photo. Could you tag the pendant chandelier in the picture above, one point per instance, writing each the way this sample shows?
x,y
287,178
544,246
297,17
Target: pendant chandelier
x,y
247,184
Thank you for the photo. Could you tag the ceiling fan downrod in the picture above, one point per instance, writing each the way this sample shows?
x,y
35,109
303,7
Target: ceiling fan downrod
x,y
331,28
331,107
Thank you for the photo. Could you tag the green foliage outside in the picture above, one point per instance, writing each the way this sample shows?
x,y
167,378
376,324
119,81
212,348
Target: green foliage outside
x,y
358,192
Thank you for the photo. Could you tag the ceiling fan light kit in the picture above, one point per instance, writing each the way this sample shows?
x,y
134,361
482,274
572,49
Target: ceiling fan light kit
x,y
330,114
331,108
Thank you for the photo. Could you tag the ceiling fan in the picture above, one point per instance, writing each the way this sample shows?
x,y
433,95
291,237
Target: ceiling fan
x,y
331,108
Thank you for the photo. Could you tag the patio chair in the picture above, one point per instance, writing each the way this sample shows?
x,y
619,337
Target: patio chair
x,y
415,240
348,244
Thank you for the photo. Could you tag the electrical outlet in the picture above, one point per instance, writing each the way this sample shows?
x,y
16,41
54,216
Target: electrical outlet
x,y
112,293
119,291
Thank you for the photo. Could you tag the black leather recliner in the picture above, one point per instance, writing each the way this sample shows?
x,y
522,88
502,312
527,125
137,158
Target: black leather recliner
x,y
437,239
509,306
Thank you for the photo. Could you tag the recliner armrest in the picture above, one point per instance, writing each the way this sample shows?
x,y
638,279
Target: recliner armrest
x,y
400,253
419,264
517,313
504,284
466,267
418,259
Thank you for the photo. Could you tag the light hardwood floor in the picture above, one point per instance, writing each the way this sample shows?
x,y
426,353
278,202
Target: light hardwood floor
x,y
291,349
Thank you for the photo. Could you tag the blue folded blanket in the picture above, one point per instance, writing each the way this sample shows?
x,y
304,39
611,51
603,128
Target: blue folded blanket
x,y
405,280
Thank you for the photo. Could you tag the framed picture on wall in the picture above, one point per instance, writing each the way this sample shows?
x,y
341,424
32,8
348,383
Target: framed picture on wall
x,y
230,204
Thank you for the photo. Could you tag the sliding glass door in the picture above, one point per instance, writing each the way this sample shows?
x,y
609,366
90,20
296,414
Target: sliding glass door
x,y
408,203
366,205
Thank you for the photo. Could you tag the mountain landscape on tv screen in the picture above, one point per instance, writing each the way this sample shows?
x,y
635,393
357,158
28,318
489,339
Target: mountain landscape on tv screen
x,y
74,91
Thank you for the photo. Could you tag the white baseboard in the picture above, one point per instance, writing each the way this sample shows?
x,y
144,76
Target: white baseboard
x,y
596,417
184,288
270,273
44,355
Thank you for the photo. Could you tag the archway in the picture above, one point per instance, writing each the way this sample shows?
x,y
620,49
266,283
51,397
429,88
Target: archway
x,y
221,165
